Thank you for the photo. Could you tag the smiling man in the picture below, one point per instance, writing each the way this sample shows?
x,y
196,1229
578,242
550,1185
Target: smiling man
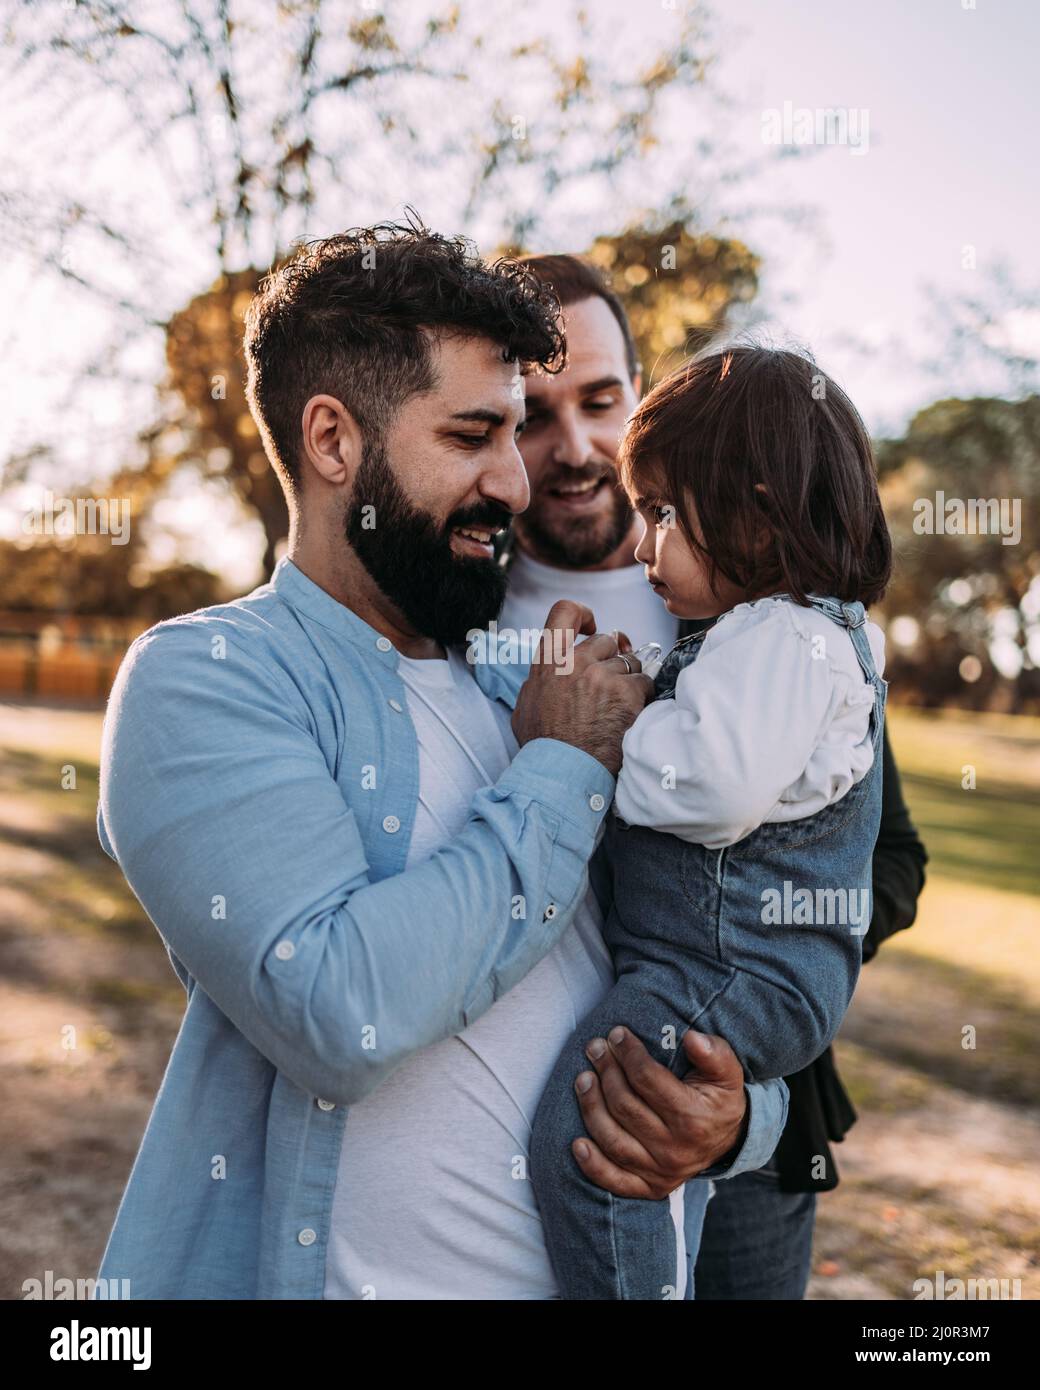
x,y
579,534
368,857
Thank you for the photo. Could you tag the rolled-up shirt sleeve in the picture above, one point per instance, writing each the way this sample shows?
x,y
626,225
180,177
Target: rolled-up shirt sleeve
x,y
710,765
767,1110
220,807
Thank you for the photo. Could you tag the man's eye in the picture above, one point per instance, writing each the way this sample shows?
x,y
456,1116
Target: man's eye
x,y
600,404
471,441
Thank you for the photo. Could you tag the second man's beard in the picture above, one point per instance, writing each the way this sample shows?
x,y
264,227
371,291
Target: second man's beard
x,y
408,554
578,543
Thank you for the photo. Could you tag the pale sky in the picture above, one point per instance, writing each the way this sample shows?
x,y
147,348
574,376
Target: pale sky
x,y
943,98
952,162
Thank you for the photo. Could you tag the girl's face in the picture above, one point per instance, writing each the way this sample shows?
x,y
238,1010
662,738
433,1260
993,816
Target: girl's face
x,y
676,571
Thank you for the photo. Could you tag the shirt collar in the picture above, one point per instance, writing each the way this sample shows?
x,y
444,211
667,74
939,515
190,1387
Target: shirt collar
x,y
499,681
302,594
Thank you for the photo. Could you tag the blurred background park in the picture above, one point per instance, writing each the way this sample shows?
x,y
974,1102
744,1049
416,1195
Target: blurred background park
x,y
159,157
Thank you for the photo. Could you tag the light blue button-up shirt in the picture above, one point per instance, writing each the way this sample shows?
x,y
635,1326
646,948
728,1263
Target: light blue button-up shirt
x,y
259,781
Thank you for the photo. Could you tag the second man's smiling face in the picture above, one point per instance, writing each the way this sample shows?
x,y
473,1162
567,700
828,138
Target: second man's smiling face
x,y
578,516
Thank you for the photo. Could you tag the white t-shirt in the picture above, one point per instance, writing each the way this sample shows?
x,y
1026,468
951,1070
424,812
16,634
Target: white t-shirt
x,y
621,599
771,722
433,1200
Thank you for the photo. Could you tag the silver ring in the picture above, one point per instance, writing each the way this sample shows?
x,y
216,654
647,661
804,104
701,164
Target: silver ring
x,y
624,658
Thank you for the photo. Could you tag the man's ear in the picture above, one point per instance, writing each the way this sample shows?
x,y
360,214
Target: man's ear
x,y
332,440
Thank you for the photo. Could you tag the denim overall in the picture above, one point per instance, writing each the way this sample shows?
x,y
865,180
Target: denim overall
x,y
694,946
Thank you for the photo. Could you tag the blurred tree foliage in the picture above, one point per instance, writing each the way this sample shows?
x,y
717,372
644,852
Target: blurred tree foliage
x,y
90,575
249,126
971,595
254,126
207,423
679,288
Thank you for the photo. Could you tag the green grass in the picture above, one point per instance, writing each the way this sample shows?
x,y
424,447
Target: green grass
x,y
988,835
985,836
944,1156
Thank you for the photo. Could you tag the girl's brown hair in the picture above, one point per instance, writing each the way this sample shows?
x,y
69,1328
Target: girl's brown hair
x,y
780,470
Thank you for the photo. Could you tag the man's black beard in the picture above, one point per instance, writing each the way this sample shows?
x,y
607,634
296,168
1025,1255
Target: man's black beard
x,y
583,543
409,556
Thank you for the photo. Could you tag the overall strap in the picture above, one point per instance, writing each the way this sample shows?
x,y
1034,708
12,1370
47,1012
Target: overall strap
x,y
682,654
853,617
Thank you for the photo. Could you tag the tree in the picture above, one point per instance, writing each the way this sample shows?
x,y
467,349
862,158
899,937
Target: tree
x,y
203,395
991,333
245,127
972,595
89,575
679,286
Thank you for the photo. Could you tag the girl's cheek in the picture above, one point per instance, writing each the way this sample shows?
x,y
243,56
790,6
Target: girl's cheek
x,y
670,556
678,566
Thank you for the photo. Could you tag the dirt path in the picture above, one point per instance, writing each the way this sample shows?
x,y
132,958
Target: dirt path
x,y
932,1179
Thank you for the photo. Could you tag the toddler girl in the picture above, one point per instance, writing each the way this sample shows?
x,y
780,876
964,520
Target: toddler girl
x,y
749,797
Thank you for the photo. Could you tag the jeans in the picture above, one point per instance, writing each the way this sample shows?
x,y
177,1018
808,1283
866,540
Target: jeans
x,y
756,1241
601,1246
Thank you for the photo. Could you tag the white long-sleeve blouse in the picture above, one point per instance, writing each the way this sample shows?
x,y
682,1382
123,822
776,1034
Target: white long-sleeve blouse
x,y
771,722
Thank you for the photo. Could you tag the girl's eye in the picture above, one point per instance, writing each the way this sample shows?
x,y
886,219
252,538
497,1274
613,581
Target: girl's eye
x,y
661,514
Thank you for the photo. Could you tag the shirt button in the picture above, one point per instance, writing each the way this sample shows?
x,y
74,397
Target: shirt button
x,y
326,1105
550,913
396,704
307,1236
391,824
384,644
596,801
285,950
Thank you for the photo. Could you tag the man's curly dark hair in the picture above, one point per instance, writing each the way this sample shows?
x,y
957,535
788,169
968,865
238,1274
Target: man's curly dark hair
x,y
346,316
